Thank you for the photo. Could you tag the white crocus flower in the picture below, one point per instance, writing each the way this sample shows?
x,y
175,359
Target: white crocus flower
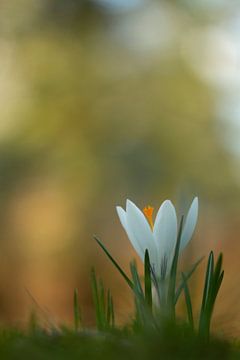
x,y
160,237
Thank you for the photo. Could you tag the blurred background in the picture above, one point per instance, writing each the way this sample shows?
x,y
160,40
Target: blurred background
x,y
101,101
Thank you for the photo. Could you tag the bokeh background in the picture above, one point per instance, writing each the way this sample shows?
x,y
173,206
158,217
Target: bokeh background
x,y
106,100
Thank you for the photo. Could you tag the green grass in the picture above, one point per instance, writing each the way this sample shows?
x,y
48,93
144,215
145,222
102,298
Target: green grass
x,y
155,331
172,343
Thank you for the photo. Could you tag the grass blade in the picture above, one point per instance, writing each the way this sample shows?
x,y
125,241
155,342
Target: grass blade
x,y
218,266
188,301
76,309
102,306
147,280
136,281
96,299
187,276
208,281
108,307
140,302
112,312
173,274
209,295
126,278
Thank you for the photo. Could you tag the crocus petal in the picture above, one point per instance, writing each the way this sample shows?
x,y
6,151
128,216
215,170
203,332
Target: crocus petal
x,y
165,232
190,224
123,219
122,216
139,229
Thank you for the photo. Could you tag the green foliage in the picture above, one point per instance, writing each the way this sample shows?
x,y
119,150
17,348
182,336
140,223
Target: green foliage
x,y
150,336
76,310
147,280
213,281
173,275
188,301
103,303
126,278
187,277
174,343
167,291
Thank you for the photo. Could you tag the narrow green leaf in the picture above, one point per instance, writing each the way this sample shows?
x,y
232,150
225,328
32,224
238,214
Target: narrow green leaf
x,y
142,313
76,309
220,279
112,312
96,299
218,266
173,273
213,280
188,301
126,278
157,285
187,276
216,283
102,305
147,280
207,299
217,287
136,281
108,307
208,280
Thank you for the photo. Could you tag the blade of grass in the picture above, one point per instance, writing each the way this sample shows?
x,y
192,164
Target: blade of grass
x,y
76,309
211,289
96,299
136,280
208,281
218,266
142,311
126,278
147,280
217,280
188,301
207,299
173,274
156,284
220,279
112,312
108,307
187,276
102,305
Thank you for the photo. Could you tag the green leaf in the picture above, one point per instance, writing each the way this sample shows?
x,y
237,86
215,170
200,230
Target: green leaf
x,y
147,280
218,266
126,278
208,282
96,299
216,289
213,281
143,318
137,287
187,276
108,307
188,301
76,309
102,305
173,274
110,310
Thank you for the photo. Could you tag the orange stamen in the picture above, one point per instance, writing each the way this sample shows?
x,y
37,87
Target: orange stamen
x,y
148,212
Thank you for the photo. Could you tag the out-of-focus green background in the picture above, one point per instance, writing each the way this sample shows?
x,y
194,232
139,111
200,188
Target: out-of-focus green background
x,y
106,100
